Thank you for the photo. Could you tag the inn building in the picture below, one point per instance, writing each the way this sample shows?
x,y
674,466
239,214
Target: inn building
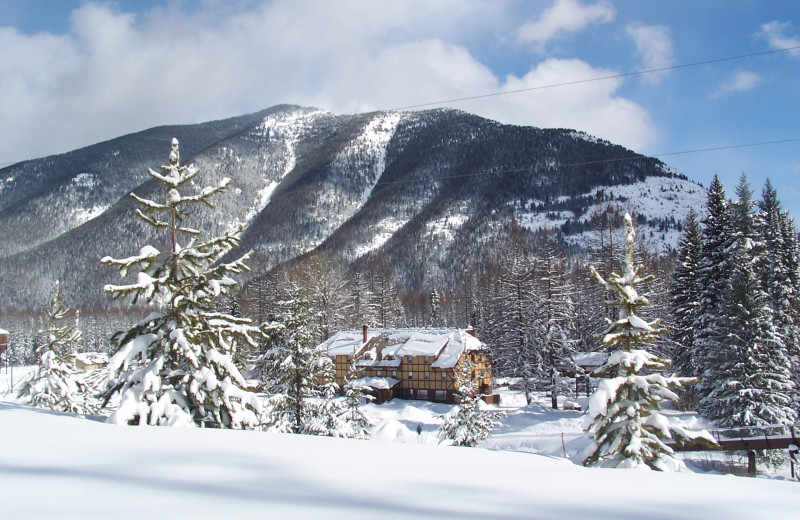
x,y
411,363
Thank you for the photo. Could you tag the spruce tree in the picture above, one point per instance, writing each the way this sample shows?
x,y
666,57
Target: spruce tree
x,y
624,413
710,353
176,366
756,387
778,267
752,386
685,295
56,384
467,424
301,372
359,425
556,313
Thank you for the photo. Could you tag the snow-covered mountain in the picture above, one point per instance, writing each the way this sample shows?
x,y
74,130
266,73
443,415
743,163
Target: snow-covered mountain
x,y
425,190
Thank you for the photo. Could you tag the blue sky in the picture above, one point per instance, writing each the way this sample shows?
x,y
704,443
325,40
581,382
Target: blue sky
x,y
74,73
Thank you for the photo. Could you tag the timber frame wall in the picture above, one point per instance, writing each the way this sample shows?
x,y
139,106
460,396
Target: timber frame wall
x,y
419,380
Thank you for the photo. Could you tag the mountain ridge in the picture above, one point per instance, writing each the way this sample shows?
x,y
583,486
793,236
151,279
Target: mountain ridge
x,y
422,189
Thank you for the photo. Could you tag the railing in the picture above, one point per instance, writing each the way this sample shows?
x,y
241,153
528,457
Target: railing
x,y
750,438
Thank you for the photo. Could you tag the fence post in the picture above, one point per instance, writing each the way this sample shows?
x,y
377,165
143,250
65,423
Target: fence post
x,y
751,463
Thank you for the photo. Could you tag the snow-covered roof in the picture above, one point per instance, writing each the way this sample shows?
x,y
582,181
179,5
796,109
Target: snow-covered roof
x,y
344,343
378,383
3,331
445,345
590,359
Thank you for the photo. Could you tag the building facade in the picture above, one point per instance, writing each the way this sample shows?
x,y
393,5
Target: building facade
x,y
411,363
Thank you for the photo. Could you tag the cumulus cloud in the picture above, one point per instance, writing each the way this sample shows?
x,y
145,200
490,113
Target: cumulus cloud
x,y
564,17
778,35
115,73
594,107
654,47
741,81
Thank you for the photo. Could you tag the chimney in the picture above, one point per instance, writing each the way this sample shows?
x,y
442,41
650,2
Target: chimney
x,y
472,331
365,333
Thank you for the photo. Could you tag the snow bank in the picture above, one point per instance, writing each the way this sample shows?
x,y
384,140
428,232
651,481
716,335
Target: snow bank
x,y
95,470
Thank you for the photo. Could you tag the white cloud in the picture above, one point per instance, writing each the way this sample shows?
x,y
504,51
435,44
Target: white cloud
x,y
115,73
564,17
741,81
777,35
654,47
593,107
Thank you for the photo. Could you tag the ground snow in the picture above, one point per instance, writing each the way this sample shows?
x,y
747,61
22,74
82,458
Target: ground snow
x,y
88,469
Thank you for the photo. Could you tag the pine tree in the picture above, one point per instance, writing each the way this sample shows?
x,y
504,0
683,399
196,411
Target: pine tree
x,y
467,424
710,353
685,295
756,388
56,384
301,372
778,265
624,413
176,367
556,313
359,425
752,386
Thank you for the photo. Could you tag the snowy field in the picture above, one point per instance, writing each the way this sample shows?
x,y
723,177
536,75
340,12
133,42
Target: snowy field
x,y
61,466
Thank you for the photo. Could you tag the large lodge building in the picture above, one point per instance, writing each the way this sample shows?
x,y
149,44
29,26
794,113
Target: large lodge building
x,y
411,363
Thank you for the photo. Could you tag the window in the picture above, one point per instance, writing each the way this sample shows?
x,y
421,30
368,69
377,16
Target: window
x,y
427,376
409,359
410,376
441,395
426,360
421,394
394,374
444,376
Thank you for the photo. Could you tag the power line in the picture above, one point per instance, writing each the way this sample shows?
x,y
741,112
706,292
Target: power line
x,y
599,161
600,78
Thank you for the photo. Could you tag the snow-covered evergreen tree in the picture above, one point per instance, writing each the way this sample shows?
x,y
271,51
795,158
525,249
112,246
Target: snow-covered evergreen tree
x,y
556,313
467,424
756,388
685,295
359,425
176,367
752,385
56,384
624,413
298,369
327,417
778,266
714,281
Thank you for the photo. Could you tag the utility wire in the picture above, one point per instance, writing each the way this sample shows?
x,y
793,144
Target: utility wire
x,y
599,161
613,76
600,78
